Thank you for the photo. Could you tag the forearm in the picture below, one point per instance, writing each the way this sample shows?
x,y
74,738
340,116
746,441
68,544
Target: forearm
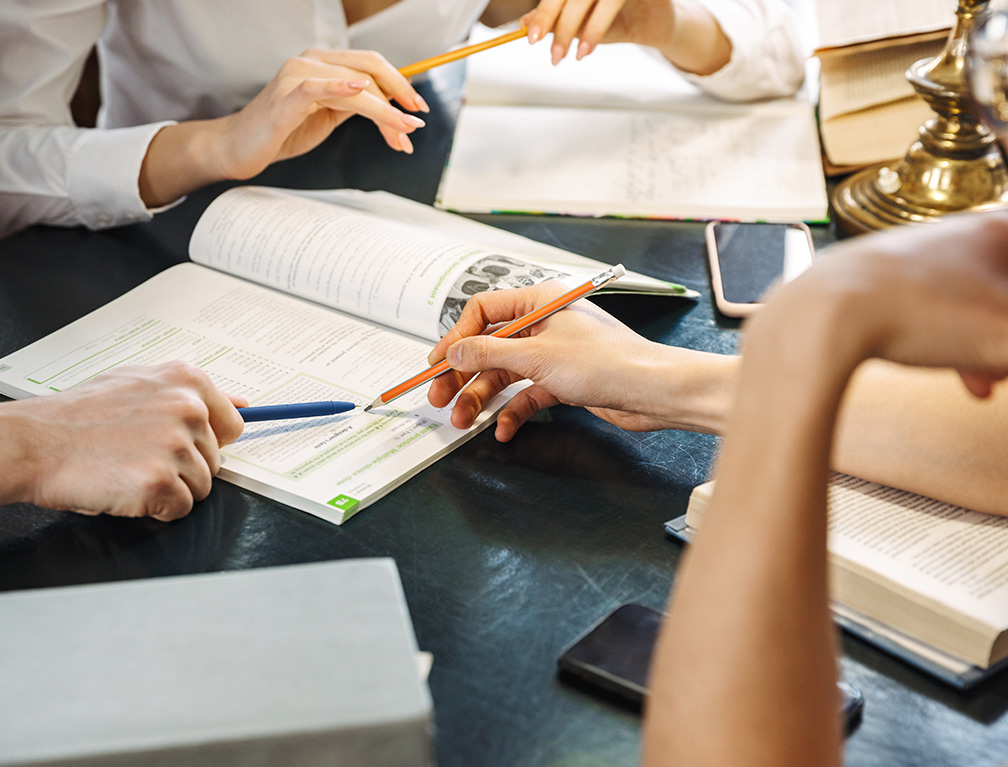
x,y
911,428
920,430
697,44
726,679
17,453
180,159
684,389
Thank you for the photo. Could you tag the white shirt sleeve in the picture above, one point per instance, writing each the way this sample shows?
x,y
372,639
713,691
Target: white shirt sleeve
x,y
51,171
768,55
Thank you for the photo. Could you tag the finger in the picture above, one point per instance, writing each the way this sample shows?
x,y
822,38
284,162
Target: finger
x,y
396,140
388,78
499,306
599,22
981,385
520,409
370,103
540,22
173,503
218,421
474,397
444,388
571,19
481,353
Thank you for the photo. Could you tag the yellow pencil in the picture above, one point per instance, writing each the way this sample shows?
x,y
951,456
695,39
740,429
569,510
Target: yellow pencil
x,y
460,53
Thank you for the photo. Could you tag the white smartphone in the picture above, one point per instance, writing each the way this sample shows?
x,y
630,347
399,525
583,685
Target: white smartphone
x,y
746,260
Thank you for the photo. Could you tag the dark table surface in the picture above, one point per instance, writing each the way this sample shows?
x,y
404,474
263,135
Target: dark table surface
x,y
506,552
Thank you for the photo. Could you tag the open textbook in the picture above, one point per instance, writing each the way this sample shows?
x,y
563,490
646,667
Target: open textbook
x,y
621,133
923,579
868,111
305,297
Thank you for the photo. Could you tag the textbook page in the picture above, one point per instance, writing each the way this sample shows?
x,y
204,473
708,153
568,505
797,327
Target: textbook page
x,y
622,133
270,348
947,560
410,272
863,79
914,569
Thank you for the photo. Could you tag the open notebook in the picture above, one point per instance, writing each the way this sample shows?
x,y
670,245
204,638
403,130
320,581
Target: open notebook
x,y
621,133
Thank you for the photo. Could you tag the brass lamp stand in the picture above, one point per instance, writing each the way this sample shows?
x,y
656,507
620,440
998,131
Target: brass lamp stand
x,y
954,165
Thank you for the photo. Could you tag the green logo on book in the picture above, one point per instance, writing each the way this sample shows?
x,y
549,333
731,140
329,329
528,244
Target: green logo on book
x,y
345,503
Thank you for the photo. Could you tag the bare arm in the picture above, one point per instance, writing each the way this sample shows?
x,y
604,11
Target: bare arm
x,y
768,648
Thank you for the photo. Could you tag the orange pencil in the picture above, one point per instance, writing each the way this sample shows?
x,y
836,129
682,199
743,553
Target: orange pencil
x,y
460,53
507,331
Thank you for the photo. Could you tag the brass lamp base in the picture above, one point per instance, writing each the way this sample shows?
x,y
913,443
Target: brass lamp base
x,y
954,165
875,198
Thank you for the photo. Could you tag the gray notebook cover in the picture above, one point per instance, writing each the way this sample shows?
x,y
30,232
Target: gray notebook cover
x,y
295,666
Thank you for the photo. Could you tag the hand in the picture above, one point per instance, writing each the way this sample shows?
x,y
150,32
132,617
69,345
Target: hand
x,y
684,31
308,98
649,22
133,442
931,296
578,356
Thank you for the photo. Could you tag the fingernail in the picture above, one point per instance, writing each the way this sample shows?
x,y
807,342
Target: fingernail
x,y
534,34
421,104
358,84
412,121
454,355
557,52
405,144
584,48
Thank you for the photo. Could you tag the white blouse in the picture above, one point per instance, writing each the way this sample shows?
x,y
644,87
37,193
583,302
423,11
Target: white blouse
x,y
172,60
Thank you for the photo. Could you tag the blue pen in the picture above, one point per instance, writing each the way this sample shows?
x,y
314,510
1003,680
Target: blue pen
x,y
299,410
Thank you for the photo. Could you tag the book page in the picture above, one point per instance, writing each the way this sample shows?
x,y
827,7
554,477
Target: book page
x,y
398,275
953,556
862,80
622,133
580,268
748,162
270,348
852,21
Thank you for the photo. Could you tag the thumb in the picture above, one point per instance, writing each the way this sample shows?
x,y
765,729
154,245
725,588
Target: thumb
x,y
479,353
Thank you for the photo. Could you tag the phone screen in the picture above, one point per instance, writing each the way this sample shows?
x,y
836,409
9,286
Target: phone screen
x,y
614,656
747,259
615,653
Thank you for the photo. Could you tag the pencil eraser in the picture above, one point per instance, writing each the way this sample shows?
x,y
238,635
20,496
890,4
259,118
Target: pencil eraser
x,y
618,271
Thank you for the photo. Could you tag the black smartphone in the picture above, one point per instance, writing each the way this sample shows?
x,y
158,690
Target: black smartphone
x,y
614,656
747,259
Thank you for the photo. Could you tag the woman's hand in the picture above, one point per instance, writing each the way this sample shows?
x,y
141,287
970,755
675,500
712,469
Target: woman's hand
x,y
308,98
683,30
578,356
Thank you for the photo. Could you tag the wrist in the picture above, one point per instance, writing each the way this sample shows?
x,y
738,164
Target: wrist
x,y
687,389
182,158
19,454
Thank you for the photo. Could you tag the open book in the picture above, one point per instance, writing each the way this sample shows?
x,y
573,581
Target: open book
x,y
924,579
621,133
868,111
354,289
